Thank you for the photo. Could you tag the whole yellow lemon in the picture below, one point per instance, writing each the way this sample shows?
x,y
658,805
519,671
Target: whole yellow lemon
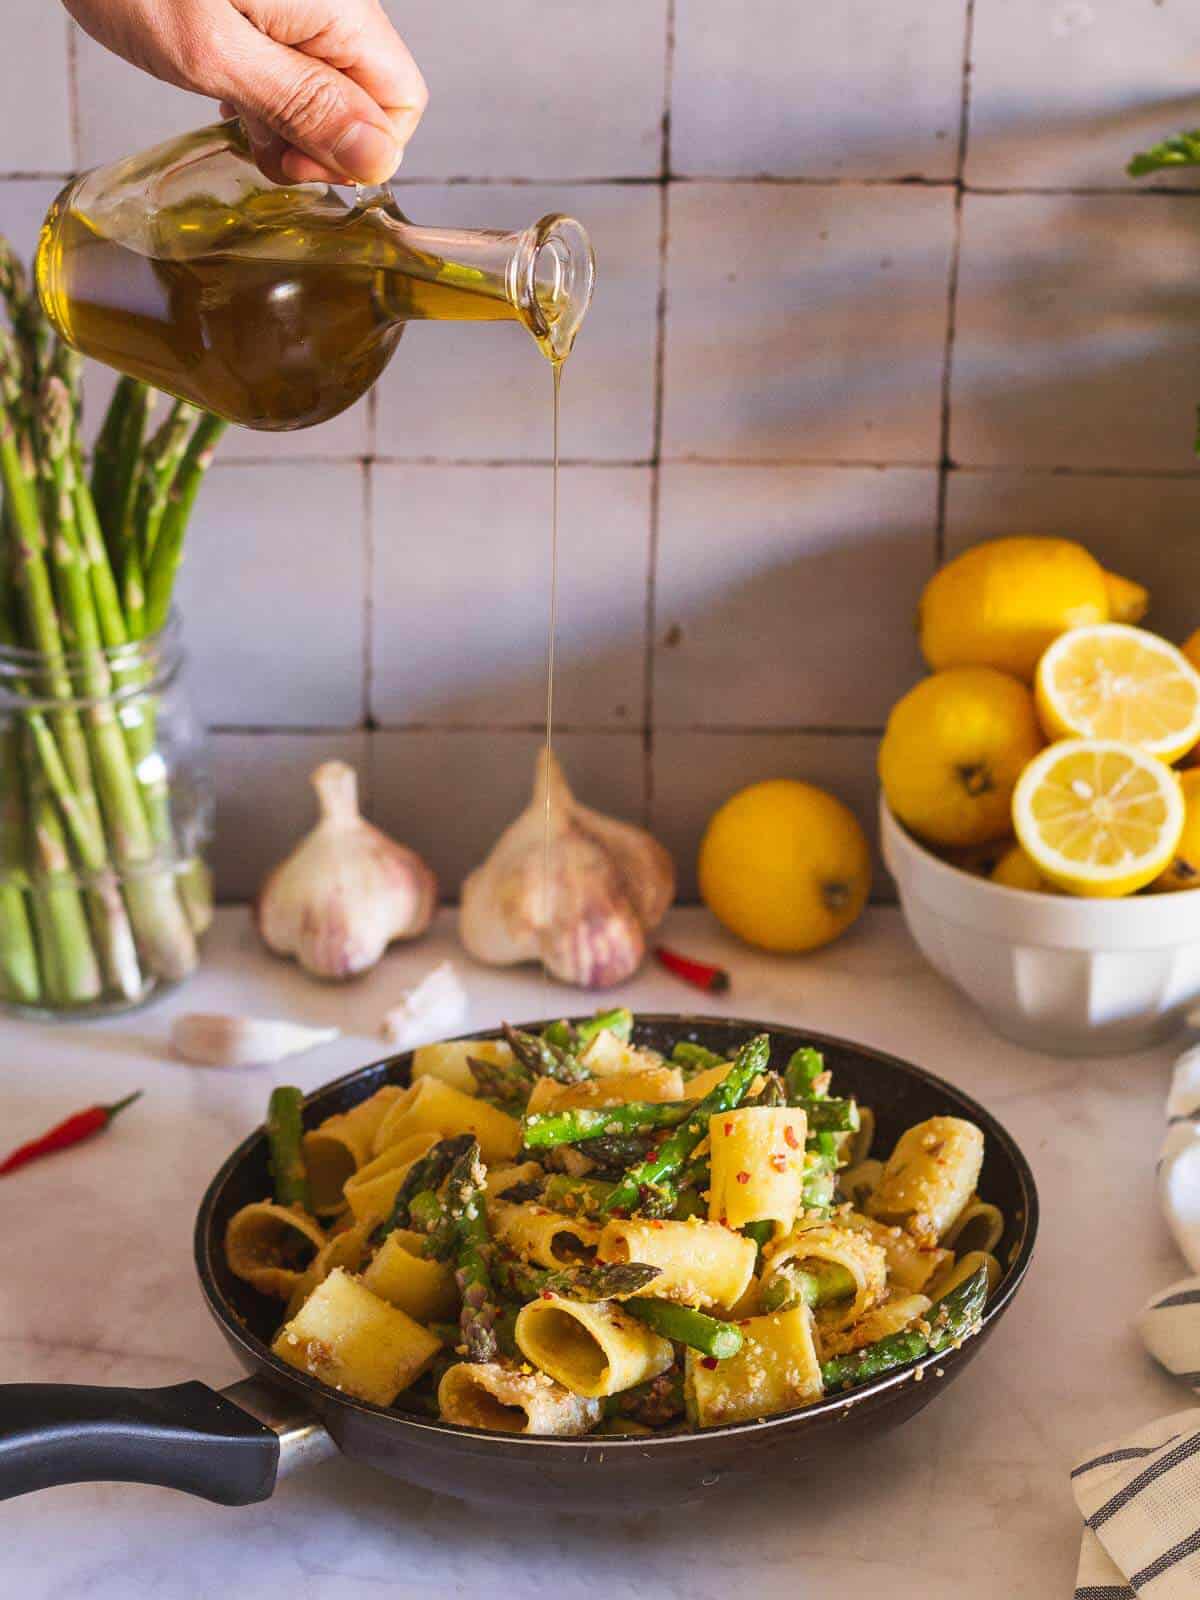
x,y
952,752
1184,870
1016,870
1001,603
785,866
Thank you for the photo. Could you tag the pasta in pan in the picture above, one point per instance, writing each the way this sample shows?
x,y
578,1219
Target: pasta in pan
x,y
564,1232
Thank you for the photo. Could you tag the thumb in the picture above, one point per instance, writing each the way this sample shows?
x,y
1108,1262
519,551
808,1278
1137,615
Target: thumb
x,y
313,107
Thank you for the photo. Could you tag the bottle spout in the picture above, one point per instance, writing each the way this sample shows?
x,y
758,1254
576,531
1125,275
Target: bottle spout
x,y
552,274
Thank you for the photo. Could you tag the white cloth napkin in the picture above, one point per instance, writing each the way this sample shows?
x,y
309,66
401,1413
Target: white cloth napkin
x,y
1140,1496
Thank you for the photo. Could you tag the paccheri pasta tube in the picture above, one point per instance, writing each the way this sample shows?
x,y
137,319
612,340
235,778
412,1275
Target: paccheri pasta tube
x,y
450,1061
705,1082
593,1349
607,1055
401,1274
488,1395
356,1342
701,1263
346,1249
966,1266
656,1085
978,1226
332,1155
272,1246
757,1158
910,1264
775,1370
370,1192
543,1236
893,1317
433,1106
929,1177
861,1258
338,1147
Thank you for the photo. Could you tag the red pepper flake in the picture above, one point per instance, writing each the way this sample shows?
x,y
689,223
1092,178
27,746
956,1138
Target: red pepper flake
x,y
63,1135
728,1129
709,1362
790,1139
546,1295
780,1163
713,980
743,1177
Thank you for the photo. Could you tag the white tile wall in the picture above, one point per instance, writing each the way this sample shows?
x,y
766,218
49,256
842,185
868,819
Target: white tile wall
x,y
273,592
831,340
861,89
1064,91
755,567
461,576
1078,343
35,114
806,322
518,90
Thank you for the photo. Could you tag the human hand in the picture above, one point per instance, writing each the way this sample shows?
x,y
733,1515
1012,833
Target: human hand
x,y
326,89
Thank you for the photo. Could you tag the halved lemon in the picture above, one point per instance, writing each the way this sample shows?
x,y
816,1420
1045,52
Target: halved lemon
x,y
1098,817
1111,681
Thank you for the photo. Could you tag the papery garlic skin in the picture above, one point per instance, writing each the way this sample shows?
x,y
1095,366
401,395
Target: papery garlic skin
x,y
609,884
346,891
436,1009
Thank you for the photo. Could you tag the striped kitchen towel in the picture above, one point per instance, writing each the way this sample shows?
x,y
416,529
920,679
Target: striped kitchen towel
x,y
1140,1496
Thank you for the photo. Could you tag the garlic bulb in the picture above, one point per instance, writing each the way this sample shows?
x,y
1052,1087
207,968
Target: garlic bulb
x,y
609,883
346,891
210,1039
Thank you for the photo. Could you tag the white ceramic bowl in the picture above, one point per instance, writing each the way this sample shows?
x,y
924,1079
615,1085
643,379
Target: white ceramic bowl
x,y
1077,977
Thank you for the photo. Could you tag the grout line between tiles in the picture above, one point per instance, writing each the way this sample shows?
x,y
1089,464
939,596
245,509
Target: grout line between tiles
x,y
538,726
733,463
660,353
699,180
964,128
73,114
368,642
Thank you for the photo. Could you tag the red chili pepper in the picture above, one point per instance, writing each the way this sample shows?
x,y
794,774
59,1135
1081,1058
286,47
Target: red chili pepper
x,y
713,980
63,1135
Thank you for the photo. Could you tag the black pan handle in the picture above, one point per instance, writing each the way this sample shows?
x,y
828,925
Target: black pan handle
x,y
229,1447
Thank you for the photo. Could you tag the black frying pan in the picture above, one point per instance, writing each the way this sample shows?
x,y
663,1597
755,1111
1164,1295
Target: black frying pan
x,y
232,1446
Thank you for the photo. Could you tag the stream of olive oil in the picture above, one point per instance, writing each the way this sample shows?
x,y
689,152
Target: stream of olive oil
x,y
551,643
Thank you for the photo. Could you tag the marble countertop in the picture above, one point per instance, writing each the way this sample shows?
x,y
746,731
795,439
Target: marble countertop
x,y
969,1498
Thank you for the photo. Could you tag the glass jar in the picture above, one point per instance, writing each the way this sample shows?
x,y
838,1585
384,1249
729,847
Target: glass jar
x,y
105,813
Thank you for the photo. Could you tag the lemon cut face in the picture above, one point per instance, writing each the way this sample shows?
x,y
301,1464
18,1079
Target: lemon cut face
x,y
1111,681
1098,817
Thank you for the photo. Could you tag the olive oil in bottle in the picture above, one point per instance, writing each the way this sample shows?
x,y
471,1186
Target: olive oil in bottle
x,y
279,307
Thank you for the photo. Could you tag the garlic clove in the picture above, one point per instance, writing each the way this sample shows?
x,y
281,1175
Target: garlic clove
x,y
347,890
209,1039
609,883
435,1009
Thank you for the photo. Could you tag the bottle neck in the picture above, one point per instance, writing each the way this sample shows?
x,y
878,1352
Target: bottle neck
x,y
542,277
